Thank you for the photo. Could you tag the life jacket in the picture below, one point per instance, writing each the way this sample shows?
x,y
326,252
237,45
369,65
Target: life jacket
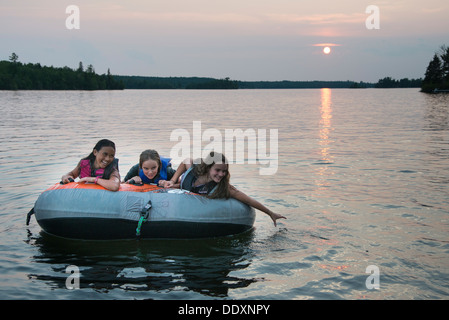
x,y
162,175
87,171
189,178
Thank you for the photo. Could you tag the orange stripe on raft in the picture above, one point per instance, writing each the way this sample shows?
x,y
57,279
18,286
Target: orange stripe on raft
x,y
123,187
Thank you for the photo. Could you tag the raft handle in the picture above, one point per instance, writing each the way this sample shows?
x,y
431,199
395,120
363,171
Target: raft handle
x,y
133,182
29,214
70,180
144,215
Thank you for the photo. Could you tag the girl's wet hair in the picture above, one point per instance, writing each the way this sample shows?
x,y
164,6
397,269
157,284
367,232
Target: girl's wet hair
x,y
150,155
91,157
104,143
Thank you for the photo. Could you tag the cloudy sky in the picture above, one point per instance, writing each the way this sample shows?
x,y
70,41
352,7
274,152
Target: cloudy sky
x,y
241,39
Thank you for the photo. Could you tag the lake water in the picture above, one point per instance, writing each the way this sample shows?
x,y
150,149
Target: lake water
x,y
362,177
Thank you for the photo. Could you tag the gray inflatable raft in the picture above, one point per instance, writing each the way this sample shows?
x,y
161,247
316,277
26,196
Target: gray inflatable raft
x,y
88,211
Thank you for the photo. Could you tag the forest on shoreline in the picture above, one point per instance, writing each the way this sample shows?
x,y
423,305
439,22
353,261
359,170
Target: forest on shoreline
x,y
15,75
436,78
141,82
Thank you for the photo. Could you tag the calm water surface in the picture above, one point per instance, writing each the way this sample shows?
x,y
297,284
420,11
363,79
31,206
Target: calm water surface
x,y
363,179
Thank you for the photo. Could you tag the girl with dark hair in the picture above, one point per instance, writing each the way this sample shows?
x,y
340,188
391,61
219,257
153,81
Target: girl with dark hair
x,y
211,178
100,167
151,168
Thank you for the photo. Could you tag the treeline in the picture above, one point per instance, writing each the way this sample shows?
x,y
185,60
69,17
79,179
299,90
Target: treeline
x,y
139,82
15,75
388,82
301,84
437,73
215,84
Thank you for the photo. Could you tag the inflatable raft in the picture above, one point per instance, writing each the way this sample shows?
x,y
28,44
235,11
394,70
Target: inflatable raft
x,y
90,212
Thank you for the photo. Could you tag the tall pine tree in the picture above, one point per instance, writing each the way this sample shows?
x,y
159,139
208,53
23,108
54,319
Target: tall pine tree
x,y
437,73
433,73
444,56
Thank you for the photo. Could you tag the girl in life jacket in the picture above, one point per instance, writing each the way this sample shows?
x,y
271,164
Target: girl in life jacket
x,y
151,169
211,178
100,167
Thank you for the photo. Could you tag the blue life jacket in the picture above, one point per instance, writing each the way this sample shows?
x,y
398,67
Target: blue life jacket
x,y
162,175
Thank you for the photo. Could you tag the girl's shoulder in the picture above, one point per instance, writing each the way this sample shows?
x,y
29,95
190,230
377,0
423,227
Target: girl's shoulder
x,y
84,162
134,171
170,172
134,168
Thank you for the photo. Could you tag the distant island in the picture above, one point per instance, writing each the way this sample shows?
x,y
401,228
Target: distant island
x,y
15,75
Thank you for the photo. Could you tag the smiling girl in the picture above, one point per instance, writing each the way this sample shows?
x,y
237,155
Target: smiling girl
x,y
211,178
100,167
151,169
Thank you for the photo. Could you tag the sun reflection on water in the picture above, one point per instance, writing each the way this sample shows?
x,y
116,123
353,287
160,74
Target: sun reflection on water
x,y
325,129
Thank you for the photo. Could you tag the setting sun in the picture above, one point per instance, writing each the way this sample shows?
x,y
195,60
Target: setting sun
x,y
327,50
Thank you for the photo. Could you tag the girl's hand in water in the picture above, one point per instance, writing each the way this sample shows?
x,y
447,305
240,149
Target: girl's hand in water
x,y
274,216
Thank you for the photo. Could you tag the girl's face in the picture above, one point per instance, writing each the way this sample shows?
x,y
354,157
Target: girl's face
x,y
104,157
150,168
218,171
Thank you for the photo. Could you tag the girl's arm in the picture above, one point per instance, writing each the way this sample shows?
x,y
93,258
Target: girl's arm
x,y
72,174
113,183
173,183
236,194
132,173
133,180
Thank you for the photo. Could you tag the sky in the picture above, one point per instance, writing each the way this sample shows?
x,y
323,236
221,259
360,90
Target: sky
x,y
248,40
